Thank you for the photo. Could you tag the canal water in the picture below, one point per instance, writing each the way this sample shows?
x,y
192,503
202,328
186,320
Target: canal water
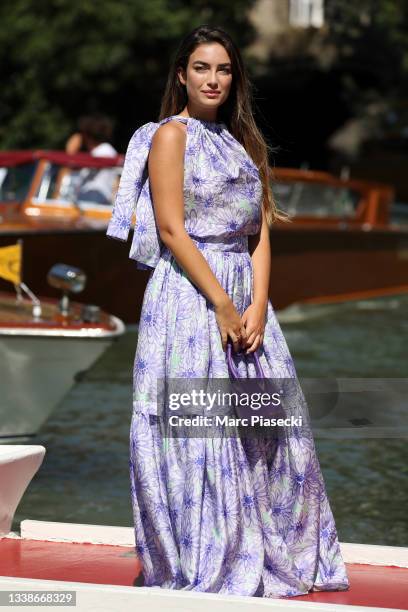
x,y
84,477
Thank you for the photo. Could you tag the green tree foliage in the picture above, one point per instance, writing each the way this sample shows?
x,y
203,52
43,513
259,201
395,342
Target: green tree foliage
x,y
64,58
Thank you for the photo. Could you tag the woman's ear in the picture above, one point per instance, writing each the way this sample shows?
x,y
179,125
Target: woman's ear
x,y
181,75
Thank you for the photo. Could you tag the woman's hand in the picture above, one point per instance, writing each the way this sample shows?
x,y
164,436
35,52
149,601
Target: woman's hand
x,y
254,321
230,324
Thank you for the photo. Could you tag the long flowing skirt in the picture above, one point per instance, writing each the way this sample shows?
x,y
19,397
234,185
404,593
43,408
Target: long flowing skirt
x,y
222,514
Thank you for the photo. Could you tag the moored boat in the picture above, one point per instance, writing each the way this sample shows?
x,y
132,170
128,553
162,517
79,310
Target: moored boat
x,y
45,345
341,244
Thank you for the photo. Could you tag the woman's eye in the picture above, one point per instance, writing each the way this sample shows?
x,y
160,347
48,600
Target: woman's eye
x,y
200,68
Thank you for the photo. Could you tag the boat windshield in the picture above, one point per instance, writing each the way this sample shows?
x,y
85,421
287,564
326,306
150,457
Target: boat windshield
x,y
87,186
15,182
301,198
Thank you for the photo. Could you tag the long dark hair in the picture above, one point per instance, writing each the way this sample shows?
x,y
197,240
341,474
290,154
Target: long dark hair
x,y
236,112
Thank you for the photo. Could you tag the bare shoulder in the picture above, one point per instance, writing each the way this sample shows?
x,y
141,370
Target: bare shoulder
x,y
170,134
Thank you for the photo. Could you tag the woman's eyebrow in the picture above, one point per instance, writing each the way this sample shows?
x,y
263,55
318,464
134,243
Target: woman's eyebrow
x,y
205,63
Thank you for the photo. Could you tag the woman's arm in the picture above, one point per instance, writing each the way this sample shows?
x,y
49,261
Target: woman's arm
x,y
166,172
74,143
166,178
254,318
260,249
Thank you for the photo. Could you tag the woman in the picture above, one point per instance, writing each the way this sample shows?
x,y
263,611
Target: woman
x,y
94,135
217,514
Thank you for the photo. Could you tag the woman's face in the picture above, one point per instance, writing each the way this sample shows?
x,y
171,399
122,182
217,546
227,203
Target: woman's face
x,y
208,70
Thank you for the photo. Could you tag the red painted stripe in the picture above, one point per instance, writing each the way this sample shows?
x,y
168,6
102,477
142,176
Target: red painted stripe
x,y
370,585
99,564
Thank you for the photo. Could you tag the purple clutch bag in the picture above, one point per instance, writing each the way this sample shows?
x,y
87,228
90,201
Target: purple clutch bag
x,y
252,386
233,370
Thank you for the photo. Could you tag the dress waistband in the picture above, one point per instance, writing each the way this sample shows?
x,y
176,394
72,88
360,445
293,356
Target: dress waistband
x,y
235,244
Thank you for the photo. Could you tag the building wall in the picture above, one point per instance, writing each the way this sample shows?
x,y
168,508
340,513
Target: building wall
x,y
284,27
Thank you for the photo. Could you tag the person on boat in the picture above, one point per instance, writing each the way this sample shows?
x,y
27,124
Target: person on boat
x,y
94,136
223,513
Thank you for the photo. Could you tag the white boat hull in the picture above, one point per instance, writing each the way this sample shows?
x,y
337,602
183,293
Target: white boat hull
x,y
35,374
18,465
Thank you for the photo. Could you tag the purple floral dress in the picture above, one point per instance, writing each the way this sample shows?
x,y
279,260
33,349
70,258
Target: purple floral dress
x,y
215,514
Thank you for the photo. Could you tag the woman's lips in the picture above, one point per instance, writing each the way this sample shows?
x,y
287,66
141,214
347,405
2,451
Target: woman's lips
x,y
211,94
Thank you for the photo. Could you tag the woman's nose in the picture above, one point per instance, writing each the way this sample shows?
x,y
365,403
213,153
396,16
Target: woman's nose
x,y
213,83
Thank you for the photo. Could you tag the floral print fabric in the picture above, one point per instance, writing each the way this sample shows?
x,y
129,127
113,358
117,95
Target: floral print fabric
x,y
222,514
222,189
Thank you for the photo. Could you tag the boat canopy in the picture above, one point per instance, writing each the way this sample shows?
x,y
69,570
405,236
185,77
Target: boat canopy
x,y
79,160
